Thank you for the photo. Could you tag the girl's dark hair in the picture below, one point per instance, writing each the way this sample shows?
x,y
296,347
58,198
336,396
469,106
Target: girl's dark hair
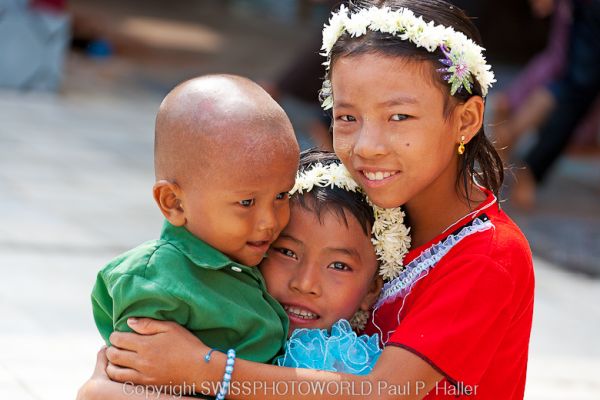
x,y
334,200
480,159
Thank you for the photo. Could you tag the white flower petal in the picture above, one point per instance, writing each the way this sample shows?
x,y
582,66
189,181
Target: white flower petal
x,y
407,26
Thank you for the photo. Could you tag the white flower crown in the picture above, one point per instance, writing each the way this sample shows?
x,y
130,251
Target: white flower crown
x,y
464,58
391,237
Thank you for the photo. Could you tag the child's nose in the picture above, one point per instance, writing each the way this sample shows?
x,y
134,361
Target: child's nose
x,y
268,220
370,141
306,280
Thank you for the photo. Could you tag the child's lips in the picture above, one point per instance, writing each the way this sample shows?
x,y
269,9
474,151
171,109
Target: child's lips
x,y
300,315
260,245
373,178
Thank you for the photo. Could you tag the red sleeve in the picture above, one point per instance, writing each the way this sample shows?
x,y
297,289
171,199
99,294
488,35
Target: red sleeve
x,y
457,320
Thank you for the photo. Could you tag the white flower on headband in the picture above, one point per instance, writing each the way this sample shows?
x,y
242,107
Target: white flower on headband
x,y
358,23
334,29
432,36
380,20
404,24
391,237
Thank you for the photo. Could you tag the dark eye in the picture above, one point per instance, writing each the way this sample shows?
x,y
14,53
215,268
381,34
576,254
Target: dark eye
x,y
247,203
340,266
347,118
282,196
399,117
286,252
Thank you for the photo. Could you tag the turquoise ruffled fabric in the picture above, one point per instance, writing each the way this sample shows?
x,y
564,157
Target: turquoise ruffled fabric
x,y
342,350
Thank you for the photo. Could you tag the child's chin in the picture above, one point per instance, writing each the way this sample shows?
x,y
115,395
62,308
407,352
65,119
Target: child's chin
x,y
308,325
250,261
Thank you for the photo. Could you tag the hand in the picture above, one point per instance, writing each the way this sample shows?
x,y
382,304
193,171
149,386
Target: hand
x,y
159,353
92,388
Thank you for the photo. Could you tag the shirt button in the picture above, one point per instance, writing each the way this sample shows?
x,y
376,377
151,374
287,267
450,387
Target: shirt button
x,y
236,269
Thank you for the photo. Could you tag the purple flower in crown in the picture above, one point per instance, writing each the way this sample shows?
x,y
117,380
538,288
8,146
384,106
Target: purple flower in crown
x,y
457,72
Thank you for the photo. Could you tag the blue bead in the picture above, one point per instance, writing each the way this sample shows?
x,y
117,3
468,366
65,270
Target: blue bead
x,y
227,376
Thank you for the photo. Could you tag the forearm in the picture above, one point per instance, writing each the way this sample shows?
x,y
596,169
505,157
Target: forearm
x,y
406,377
106,389
252,380
170,354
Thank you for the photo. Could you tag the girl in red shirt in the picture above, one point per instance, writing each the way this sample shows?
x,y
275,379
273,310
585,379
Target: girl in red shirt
x,y
406,80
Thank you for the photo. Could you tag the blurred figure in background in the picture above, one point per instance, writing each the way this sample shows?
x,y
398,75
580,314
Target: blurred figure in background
x,y
302,79
554,92
34,37
527,101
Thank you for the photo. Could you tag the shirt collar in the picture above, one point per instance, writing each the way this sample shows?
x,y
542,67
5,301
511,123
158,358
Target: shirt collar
x,y
490,204
201,253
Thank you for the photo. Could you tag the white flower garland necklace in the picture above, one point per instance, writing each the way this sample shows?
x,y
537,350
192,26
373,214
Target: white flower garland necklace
x,y
464,58
391,237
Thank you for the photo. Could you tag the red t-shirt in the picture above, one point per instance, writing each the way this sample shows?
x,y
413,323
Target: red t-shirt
x,y
467,308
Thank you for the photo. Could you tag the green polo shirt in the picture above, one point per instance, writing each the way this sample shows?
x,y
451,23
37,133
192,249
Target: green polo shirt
x,y
181,278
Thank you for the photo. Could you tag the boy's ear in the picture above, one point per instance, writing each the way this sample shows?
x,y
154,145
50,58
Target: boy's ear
x,y
168,197
469,118
373,293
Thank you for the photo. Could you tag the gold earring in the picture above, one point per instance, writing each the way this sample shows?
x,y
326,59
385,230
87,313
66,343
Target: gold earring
x,y
359,320
461,146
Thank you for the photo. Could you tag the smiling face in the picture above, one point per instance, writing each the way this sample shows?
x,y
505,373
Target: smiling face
x,y
321,270
389,127
225,158
241,210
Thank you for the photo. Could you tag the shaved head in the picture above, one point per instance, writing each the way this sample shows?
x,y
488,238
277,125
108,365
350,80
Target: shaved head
x,y
218,124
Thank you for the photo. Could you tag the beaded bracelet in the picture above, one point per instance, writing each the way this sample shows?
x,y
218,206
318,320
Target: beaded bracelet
x,y
227,376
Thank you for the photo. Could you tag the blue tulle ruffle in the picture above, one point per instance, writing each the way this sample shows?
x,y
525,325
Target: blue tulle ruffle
x,y
341,351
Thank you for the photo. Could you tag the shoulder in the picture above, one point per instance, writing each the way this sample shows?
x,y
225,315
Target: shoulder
x,y
141,260
503,244
508,240
501,251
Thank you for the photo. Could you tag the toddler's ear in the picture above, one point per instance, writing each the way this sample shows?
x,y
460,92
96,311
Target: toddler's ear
x,y
168,197
373,293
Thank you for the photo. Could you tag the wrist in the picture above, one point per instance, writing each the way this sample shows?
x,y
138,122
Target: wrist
x,y
229,364
208,375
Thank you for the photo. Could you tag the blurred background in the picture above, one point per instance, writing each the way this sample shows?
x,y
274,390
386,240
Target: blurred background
x,y
80,83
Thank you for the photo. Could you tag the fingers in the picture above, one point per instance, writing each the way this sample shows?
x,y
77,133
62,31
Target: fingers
x,y
141,327
101,362
120,374
148,326
126,340
122,358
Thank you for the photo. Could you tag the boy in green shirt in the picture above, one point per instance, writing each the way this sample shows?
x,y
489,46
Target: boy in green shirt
x,y
225,159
